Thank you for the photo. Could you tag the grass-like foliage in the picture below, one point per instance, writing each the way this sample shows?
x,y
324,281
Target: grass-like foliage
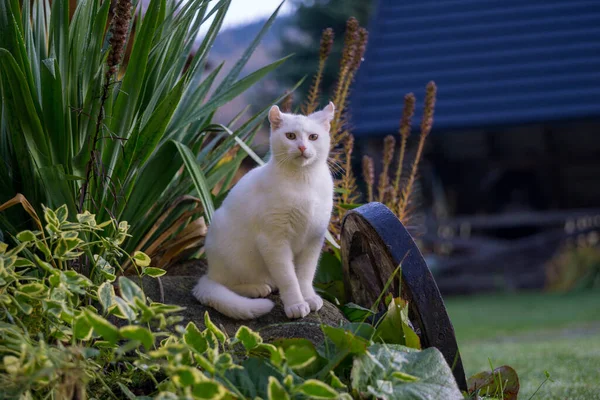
x,y
128,138
64,336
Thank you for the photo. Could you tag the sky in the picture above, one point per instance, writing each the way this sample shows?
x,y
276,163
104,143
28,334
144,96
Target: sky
x,y
242,12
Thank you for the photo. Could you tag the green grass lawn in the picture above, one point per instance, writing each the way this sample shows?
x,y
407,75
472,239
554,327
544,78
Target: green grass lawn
x,y
533,332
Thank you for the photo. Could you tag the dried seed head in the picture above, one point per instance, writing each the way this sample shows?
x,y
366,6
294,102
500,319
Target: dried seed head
x,y
349,145
361,47
326,44
388,149
350,43
119,30
428,110
368,170
288,100
407,114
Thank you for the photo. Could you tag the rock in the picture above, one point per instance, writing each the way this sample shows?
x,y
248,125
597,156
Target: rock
x,y
177,286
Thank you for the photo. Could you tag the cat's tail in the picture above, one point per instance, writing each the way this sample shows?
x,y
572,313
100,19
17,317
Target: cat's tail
x,y
226,301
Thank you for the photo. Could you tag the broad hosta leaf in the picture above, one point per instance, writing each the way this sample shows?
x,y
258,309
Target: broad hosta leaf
x,y
502,382
399,372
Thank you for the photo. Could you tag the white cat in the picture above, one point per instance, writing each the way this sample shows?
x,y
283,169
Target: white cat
x,y
269,231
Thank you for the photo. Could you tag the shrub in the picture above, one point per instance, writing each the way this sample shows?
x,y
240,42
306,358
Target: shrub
x,y
80,128
64,335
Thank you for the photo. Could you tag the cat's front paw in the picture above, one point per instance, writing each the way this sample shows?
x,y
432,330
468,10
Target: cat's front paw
x,y
299,310
315,302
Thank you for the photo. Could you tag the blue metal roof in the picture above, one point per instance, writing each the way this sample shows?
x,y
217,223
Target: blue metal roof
x,y
495,62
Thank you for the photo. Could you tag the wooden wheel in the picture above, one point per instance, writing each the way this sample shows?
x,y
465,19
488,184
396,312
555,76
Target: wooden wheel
x,y
374,243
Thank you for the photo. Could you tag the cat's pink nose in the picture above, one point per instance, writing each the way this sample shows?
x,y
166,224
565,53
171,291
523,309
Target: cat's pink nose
x,y
302,148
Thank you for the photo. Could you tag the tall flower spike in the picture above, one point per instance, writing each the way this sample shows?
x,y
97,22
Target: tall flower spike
x,y
388,155
344,76
326,43
119,30
312,101
288,101
427,121
426,125
361,47
405,127
369,176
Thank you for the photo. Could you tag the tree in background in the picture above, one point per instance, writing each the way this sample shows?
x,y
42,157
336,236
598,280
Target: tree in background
x,y
304,34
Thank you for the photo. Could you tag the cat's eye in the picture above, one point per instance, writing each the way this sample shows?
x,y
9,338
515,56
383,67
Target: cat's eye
x,y
290,135
313,136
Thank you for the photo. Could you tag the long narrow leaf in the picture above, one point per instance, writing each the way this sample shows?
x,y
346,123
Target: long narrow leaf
x,y
189,160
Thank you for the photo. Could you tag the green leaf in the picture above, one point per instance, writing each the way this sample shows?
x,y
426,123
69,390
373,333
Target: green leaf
x,y
356,313
221,337
153,272
335,381
276,391
403,376
126,391
124,308
25,236
346,340
299,357
383,373
248,337
102,327
129,290
194,338
232,92
82,329
198,178
315,389
394,327
209,390
19,105
134,332
141,259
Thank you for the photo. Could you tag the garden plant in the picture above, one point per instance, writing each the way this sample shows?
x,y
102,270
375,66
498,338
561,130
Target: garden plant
x,y
107,132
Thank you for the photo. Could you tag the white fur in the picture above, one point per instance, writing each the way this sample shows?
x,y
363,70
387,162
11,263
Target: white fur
x,y
269,231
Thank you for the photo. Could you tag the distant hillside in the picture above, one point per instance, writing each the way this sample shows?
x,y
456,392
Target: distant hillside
x,y
229,46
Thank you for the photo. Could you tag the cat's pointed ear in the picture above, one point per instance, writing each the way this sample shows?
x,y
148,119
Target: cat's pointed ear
x,y
325,115
275,117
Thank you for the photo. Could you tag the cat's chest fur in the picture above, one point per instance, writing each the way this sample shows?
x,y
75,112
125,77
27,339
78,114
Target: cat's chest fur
x,y
300,209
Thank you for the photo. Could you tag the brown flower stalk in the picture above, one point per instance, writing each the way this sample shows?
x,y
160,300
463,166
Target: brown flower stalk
x,y
348,181
119,30
426,124
346,62
369,176
388,155
288,100
312,101
405,127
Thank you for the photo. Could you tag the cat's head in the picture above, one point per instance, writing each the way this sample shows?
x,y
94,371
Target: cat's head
x,y
299,140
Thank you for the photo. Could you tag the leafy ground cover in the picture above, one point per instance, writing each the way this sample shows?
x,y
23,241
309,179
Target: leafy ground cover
x,y
533,332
